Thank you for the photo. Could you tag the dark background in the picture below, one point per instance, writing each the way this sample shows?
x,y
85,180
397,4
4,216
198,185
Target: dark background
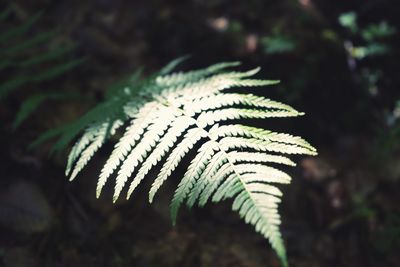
x,y
342,208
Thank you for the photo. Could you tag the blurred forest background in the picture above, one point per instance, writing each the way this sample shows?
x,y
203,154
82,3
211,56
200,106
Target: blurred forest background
x,y
338,61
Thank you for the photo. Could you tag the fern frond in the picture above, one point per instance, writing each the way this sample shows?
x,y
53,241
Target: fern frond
x,y
21,29
259,157
258,206
32,103
267,173
169,114
21,53
191,138
80,145
196,167
172,65
140,152
229,143
208,174
94,143
212,117
211,85
165,144
238,130
180,78
231,99
132,134
223,172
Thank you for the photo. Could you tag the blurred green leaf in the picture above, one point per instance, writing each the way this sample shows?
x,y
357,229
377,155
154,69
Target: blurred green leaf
x,y
173,64
33,102
57,70
374,49
378,31
24,45
7,35
278,44
12,84
349,21
46,56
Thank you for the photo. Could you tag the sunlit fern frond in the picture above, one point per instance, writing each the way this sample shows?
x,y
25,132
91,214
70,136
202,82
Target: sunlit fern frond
x,y
168,115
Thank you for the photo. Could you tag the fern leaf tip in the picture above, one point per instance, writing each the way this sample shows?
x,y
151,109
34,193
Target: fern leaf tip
x,y
272,82
98,192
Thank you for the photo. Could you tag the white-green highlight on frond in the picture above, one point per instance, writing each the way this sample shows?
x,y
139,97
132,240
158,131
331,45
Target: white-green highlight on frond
x,y
189,140
88,145
177,112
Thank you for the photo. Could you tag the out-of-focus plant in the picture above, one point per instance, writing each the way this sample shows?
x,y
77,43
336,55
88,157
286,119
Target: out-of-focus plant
x,y
277,43
365,46
364,43
372,36
27,59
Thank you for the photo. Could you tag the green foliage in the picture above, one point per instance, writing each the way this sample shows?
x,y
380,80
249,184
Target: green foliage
x,y
276,44
33,102
167,116
349,20
26,59
378,31
372,36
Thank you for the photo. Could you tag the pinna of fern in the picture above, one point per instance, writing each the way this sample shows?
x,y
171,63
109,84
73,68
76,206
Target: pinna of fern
x,y
169,114
26,58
